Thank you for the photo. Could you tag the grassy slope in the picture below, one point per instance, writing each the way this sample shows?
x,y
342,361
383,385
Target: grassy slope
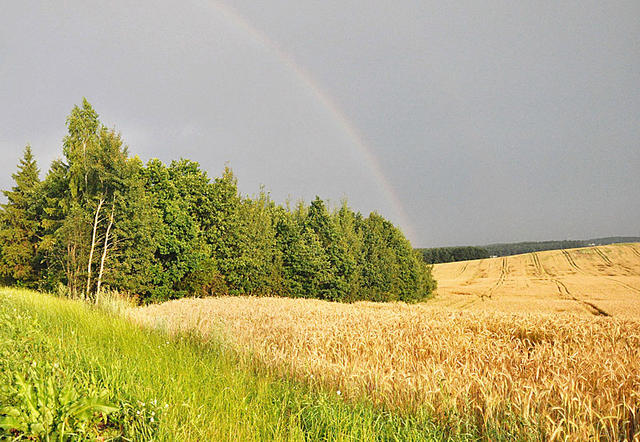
x,y
209,394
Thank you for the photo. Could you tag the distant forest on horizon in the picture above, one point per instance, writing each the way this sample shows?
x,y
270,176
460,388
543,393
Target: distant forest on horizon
x,y
436,255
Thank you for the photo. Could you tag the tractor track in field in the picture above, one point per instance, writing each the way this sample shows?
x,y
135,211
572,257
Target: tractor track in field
x,y
595,309
542,273
504,270
464,268
606,260
571,262
563,290
604,257
624,284
536,264
634,250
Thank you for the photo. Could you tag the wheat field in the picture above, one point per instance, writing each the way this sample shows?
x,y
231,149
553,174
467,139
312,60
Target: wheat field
x,y
548,366
601,280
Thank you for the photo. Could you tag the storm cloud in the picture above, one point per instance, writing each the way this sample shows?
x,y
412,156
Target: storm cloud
x,y
463,122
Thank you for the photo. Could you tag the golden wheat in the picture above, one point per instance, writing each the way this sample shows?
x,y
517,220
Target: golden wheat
x,y
553,375
595,280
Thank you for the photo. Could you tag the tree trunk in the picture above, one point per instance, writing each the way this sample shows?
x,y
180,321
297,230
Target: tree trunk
x,y
93,245
104,250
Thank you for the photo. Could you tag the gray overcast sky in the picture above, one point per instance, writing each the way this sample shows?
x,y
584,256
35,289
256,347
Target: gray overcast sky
x,y
491,121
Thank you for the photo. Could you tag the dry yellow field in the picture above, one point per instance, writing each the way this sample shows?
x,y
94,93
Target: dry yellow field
x,y
534,376
601,280
490,352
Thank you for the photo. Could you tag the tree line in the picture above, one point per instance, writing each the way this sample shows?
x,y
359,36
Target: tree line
x,y
539,246
532,246
452,254
102,219
463,253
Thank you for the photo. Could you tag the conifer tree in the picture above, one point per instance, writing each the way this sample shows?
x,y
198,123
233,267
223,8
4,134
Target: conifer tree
x,y
21,225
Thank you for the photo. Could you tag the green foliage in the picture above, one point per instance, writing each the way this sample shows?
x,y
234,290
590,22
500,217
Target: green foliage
x,y
40,397
304,261
103,221
183,260
347,252
134,234
392,271
40,408
249,258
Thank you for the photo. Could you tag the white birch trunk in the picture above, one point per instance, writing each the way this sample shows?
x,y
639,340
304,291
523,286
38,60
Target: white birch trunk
x,y
104,251
93,246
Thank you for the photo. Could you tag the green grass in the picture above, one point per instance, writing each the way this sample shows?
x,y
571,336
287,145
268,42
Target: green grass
x,y
166,388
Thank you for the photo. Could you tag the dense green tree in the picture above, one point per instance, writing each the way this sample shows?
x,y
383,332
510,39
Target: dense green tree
x,y
252,262
133,244
221,225
392,271
55,209
305,265
327,229
20,225
184,259
349,247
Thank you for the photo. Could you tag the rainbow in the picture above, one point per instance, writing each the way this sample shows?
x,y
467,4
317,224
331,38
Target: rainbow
x,y
365,151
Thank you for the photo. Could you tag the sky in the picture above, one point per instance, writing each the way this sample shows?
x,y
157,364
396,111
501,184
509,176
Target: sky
x,y
462,122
